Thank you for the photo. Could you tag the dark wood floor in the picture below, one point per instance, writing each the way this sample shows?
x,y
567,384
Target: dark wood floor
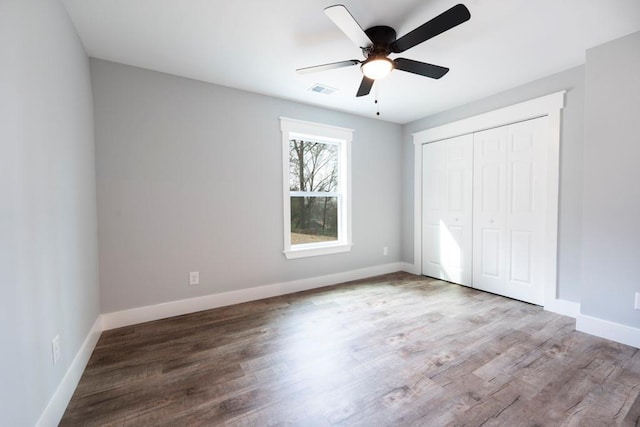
x,y
388,351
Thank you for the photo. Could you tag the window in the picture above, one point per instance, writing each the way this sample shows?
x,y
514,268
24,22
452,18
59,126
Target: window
x,y
317,178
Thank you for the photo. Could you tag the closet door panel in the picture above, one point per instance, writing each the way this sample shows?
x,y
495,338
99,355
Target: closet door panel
x,y
431,258
521,258
490,260
489,199
508,210
433,198
526,189
447,209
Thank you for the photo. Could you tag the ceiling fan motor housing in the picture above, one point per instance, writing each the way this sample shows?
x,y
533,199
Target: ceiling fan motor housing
x,y
382,36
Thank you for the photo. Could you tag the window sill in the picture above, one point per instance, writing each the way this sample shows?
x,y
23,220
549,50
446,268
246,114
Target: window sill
x,y
316,250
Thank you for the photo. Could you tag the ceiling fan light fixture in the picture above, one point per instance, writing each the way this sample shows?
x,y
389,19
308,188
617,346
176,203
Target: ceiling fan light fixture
x,y
377,67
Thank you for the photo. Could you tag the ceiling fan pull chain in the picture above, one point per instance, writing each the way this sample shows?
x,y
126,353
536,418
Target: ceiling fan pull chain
x,y
377,96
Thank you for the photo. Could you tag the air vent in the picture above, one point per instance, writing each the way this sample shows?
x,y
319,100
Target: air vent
x,y
320,88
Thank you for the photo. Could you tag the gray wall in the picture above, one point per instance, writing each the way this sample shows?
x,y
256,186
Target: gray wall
x,y
569,239
48,248
611,219
189,178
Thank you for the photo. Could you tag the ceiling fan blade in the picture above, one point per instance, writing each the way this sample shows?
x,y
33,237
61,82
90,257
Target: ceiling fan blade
x,y
365,86
343,20
441,23
330,66
420,68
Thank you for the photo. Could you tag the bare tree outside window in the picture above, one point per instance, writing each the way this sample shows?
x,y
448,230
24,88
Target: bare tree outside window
x,y
313,183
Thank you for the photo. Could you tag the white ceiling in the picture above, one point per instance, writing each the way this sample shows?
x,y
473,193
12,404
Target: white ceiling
x,y
256,45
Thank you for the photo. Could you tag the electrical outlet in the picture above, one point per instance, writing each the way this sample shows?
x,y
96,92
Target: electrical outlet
x,y
385,251
194,278
637,305
55,349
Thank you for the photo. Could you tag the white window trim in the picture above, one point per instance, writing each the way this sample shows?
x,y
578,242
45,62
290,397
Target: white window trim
x,y
326,134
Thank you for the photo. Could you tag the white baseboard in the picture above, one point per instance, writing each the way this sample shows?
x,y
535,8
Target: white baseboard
x,y
564,307
148,313
409,268
605,329
62,396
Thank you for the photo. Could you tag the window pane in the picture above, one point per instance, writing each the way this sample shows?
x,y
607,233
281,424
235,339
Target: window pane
x,y
314,219
313,166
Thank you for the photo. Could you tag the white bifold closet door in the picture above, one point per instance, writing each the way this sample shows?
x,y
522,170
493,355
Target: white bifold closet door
x,y
447,209
484,207
509,188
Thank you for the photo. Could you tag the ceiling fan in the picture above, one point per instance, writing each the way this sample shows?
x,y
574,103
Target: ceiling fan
x,y
380,41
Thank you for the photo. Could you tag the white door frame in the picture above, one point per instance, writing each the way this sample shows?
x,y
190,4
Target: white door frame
x,y
549,105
